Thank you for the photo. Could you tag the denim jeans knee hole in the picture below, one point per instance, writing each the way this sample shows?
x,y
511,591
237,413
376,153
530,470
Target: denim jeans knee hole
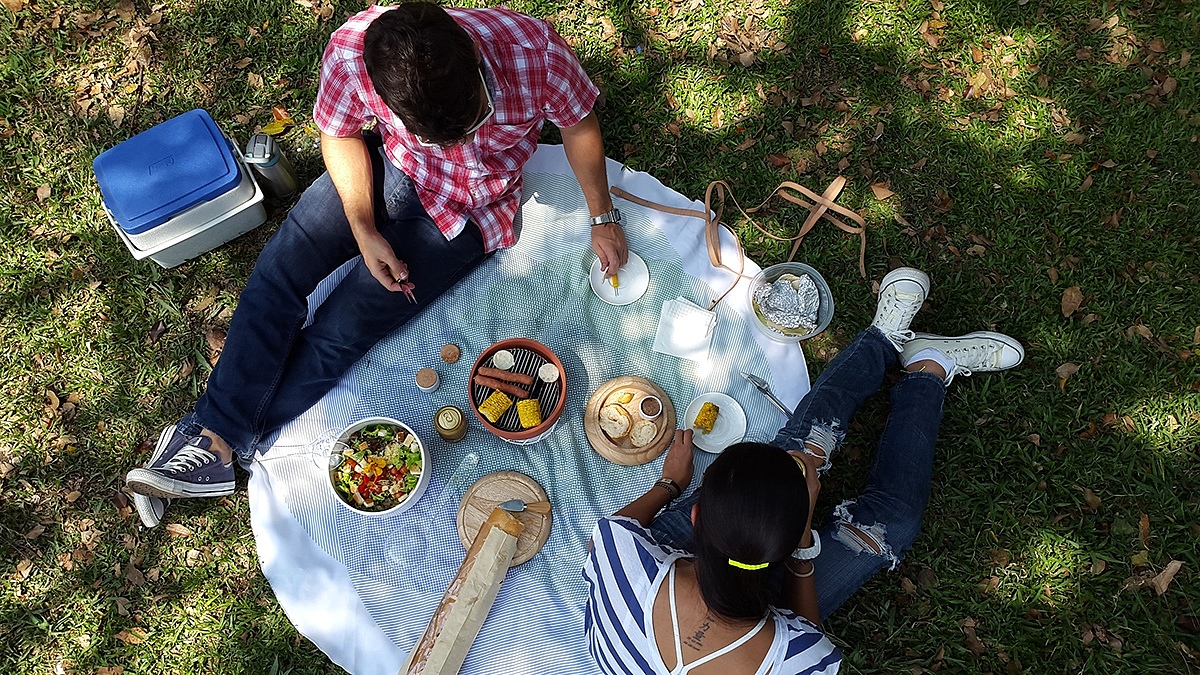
x,y
826,435
863,539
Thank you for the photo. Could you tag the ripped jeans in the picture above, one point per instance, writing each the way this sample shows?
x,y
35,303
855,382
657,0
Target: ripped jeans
x,y
861,536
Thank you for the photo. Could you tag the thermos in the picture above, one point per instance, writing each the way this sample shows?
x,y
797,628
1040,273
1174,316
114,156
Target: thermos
x,y
271,166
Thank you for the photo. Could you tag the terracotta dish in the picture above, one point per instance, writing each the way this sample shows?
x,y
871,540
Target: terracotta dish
x,y
530,355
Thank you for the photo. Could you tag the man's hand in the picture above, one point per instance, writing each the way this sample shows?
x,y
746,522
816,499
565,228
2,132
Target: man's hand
x,y
608,241
382,261
349,163
585,153
678,465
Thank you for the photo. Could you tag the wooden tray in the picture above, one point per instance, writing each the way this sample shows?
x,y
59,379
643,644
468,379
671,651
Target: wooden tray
x,y
498,487
622,451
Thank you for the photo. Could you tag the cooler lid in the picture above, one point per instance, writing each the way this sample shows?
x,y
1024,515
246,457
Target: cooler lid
x,y
166,170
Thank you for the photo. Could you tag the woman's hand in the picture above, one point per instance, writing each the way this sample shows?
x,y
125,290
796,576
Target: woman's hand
x,y
678,465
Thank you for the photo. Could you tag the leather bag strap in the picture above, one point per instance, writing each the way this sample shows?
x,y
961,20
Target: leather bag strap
x,y
820,206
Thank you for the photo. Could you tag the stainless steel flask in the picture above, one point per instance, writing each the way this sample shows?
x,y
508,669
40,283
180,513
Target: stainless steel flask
x,y
271,166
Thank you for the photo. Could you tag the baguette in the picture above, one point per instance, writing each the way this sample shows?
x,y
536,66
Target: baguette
x,y
464,607
506,375
500,385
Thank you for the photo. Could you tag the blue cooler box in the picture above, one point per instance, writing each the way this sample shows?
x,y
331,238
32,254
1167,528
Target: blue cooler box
x,y
178,189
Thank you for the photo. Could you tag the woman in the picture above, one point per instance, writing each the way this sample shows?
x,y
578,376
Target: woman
x,y
733,579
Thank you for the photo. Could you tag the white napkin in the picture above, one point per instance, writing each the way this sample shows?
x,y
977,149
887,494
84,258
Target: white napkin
x,y
685,330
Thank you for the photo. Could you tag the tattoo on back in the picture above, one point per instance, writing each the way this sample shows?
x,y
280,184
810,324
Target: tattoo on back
x,y
696,639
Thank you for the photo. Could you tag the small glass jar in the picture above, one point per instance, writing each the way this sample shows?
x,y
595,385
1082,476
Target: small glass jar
x,y
450,423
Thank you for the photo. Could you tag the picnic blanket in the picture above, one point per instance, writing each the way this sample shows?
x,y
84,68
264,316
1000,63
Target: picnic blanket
x,y
363,588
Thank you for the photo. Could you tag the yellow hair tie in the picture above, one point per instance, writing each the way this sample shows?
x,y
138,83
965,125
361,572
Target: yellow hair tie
x,y
744,566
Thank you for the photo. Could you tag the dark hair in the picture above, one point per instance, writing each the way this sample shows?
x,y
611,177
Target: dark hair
x,y
752,507
424,67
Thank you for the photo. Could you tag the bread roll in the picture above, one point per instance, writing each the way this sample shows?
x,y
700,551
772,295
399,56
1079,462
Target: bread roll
x,y
643,433
614,421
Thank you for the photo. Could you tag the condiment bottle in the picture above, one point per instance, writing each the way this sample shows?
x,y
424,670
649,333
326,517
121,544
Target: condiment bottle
x,y
450,423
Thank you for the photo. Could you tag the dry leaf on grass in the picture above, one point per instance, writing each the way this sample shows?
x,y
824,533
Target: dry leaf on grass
x,y
973,642
134,637
1071,299
216,342
881,191
134,576
156,333
1087,183
1163,580
1144,530
43,192
1093,502
177,530
35,532
24,568
1066,370
243,62
254,80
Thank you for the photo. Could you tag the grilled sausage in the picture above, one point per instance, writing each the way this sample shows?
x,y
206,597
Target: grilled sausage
x,y
506,387
506,375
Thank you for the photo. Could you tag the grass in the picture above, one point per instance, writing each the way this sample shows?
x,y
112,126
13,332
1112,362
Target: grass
x,y
1072,163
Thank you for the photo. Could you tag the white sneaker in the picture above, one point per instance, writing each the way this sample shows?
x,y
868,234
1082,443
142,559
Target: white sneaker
x,y
978,352
901,294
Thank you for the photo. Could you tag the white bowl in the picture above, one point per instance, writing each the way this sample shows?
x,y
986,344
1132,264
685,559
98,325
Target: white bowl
x,y
422,482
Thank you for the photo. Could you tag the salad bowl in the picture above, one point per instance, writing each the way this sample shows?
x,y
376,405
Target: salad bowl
x,y
378,466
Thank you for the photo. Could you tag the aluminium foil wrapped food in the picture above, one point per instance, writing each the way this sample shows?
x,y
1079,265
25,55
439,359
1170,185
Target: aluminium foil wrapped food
x,y
789,304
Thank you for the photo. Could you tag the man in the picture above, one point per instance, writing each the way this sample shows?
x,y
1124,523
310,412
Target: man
x,y
457,98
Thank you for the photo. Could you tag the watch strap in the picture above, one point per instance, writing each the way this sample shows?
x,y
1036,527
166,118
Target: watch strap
x,y
613,216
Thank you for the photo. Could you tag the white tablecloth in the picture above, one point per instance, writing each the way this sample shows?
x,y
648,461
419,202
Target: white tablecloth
x,y
363,588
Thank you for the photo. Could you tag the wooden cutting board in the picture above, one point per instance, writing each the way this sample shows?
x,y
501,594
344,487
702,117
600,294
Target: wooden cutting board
x,y
491,490
621,451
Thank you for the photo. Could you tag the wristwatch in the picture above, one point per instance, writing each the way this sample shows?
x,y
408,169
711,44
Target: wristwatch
x,y
613,216
810,552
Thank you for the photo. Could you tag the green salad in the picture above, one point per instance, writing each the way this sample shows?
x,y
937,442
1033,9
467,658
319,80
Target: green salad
x,y
380,467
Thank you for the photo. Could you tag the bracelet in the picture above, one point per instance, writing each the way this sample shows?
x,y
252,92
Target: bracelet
x,y
812,569
670,486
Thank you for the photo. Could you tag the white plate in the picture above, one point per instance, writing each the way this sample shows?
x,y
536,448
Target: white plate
x,y
634,278
729,429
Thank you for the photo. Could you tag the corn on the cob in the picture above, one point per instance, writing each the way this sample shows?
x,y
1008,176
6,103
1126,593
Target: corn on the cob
x,y
707,417
495,405
530,413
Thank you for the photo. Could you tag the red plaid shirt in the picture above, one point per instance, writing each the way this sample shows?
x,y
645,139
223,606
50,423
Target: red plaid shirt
x,y
532,76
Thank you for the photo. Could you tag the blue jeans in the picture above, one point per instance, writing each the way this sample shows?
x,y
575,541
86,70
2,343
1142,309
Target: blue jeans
x,y
886,518
272,367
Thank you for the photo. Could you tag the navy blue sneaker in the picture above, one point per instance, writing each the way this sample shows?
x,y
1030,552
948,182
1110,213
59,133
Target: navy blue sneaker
x,y
186,467
151,509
